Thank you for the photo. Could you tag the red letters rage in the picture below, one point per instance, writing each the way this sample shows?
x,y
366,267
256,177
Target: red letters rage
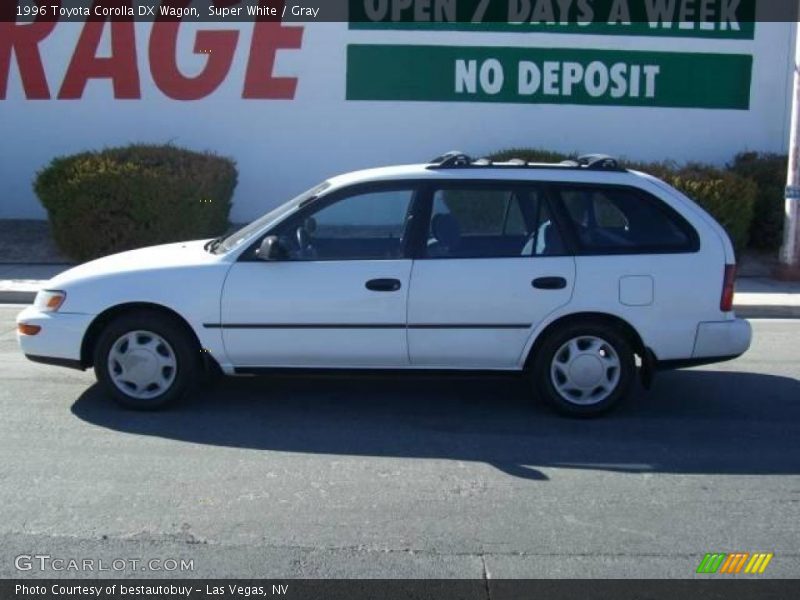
x,y
268,36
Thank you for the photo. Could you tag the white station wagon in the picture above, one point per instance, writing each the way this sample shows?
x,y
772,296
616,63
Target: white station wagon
x,y
565,272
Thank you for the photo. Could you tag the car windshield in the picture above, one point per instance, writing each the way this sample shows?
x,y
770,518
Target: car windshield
x,y
245,233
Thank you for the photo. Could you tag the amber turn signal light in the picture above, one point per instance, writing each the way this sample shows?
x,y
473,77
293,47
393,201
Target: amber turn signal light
x,y
27,329
54,302
49,300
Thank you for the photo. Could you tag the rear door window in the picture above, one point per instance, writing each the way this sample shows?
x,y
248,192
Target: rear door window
x,y
491,222
624,220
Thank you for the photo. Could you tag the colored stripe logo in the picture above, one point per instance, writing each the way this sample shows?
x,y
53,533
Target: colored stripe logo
x,y
735,562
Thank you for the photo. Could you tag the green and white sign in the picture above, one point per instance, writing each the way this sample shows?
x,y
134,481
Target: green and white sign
x,y
548,76
726,19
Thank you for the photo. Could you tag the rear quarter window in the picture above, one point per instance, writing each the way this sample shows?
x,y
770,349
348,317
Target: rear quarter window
x,y
623,220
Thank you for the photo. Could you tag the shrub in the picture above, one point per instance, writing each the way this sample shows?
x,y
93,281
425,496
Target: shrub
x,y
530,155
768,171
123,198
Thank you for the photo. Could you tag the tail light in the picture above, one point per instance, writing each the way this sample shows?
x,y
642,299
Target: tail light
x,y
728,284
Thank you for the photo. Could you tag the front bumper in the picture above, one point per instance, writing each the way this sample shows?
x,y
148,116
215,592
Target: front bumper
x,y
60,338
722,338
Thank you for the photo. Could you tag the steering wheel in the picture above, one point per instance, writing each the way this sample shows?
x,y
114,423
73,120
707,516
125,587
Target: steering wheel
x,y
304,238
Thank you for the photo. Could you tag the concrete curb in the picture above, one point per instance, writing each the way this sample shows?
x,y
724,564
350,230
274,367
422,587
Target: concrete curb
x,y
755,311
20,290
16,297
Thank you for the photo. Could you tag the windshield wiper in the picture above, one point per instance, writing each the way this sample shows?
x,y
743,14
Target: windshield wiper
x,y
212,245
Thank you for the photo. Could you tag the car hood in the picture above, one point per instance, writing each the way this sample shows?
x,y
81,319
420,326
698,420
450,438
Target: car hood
x,y
166,256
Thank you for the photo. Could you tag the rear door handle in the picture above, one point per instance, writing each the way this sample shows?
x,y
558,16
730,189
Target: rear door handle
x,y
549,283
383,285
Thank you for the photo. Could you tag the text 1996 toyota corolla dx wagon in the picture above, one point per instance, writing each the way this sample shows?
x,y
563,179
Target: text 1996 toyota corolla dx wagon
x,y
565,272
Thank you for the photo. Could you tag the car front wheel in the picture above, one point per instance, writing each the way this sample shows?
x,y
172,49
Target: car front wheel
x,y
584,369
146,360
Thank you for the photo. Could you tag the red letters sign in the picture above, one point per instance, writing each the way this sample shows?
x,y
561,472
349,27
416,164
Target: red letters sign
x,y
21,41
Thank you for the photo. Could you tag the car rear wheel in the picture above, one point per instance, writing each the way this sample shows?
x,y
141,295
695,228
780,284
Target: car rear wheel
x,y
146,360
584,369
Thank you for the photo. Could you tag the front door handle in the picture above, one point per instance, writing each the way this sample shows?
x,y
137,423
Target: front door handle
x,y
383,285
549,283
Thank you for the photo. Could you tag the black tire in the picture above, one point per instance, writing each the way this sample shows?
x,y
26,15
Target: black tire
x,y
543,376
181,343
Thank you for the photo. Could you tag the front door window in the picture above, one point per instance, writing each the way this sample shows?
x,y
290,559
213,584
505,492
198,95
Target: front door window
x,y
365,226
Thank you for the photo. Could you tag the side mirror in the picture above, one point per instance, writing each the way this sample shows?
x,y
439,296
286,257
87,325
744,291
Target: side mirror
x,y
270,249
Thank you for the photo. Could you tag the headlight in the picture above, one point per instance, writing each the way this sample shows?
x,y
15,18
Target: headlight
x,y
49,300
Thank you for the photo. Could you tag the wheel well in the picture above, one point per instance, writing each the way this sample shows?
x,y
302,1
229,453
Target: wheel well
x,y
104,318
621,325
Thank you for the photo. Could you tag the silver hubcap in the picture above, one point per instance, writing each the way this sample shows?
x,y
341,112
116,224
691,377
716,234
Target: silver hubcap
x,y
585,370
142,364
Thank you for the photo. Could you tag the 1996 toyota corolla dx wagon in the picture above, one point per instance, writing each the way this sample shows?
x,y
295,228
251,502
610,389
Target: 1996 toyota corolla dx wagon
x,y
565,272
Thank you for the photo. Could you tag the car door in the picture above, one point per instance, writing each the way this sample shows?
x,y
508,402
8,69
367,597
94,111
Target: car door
x,y
337,297
491,266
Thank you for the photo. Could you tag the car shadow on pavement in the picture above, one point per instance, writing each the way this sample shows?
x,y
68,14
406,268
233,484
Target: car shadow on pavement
x,y
690,422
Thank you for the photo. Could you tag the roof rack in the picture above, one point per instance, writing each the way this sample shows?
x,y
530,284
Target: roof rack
x,y
460,160
599,162
451,159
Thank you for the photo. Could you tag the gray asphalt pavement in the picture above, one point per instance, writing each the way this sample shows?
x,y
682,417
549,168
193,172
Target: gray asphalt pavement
x,y
403,477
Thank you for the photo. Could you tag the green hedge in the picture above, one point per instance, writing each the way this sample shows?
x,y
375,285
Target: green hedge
x,y
531,155
118,199
728,196
769,173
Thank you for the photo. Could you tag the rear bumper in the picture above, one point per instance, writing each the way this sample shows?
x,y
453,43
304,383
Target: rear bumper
x,y
722,339
685,363
715,342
